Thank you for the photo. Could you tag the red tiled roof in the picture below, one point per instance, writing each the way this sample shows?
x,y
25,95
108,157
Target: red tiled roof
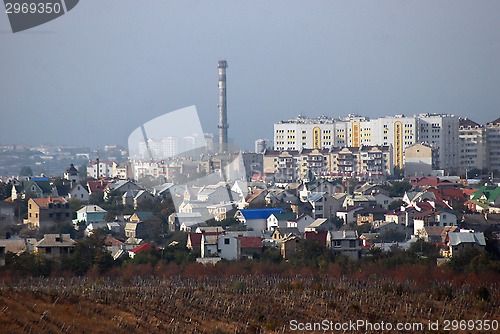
x,y
44,202
97,186
423,214
468,192
147,247
250,242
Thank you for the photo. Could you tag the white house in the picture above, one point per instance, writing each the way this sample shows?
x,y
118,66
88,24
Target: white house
x,y
229,247
301,222
79,192
348,215
255,219
279,220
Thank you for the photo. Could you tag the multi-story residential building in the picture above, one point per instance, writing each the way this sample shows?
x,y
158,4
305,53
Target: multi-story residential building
x,y
282,166
313,162
493,144
100,168
366,162
352,131
441,132
472,145
44,212
398,131
303,132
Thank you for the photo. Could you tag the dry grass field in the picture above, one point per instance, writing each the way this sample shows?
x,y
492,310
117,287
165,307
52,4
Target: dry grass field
x,y
233,304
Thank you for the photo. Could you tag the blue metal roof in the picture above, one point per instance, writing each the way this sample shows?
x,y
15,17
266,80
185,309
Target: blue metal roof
x,y
259,213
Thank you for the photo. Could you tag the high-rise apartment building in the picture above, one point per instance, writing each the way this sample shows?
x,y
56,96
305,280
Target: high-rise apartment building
x,y
472,145
440,132
303,132
398,131
493,144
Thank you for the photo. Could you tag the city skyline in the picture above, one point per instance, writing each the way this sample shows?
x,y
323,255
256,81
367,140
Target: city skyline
x,y
90,79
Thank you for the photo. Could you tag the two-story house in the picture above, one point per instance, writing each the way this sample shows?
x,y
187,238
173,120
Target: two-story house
x,y
48,211
346,243
55,245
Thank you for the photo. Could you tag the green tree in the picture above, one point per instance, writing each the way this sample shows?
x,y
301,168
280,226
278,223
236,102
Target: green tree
x,y
89,252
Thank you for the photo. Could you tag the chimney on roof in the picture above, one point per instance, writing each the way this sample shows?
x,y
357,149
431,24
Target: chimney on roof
x,y
97,174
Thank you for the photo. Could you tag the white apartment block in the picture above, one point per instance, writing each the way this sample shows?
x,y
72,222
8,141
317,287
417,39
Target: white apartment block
x,y
352,131
493,144
303,132
98,169
441,132
398,131
472,145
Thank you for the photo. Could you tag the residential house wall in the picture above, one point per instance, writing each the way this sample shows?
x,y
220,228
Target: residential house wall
x,y
289,247
43,212
346,243
229,247
55,245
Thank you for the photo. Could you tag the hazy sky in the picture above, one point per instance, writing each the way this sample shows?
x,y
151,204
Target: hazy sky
x,y
95,74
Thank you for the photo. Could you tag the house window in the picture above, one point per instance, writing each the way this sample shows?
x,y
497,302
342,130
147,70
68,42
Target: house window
x,y
352,243
337,243
48,250
50,215
67,214
226,241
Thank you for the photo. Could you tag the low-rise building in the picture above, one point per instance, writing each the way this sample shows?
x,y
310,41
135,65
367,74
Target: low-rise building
x,y
460,241
48,211
345,243
55,245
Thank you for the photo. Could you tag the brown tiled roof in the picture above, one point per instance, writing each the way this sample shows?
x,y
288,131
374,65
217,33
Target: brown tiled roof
x,y
250,242
43,203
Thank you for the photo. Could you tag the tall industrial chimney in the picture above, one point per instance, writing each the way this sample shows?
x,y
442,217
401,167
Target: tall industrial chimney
x,y
222,107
